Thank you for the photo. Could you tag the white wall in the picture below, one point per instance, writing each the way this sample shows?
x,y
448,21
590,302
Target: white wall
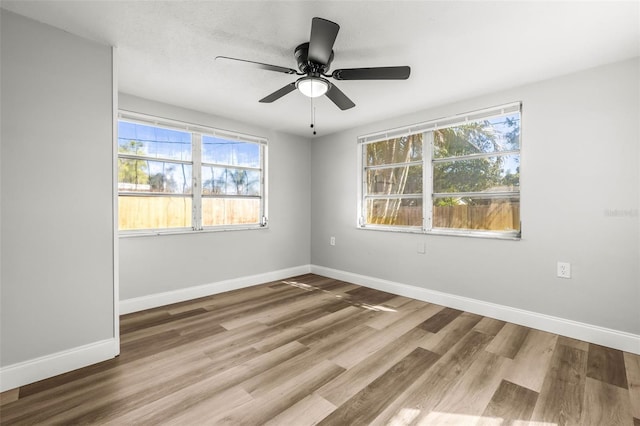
x,y
580,192
56,215
171,263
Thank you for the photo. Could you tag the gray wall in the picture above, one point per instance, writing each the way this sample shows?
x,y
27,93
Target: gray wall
x,y
156,264
580,192
56,215
580,199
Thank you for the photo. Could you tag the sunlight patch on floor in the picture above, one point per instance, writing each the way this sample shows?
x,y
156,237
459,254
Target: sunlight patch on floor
x,y
404,417
301,285
309,287
407,416
440,418
376,308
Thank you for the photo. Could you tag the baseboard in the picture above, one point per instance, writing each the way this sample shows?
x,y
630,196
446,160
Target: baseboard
x,y
23,373
160,299
589,333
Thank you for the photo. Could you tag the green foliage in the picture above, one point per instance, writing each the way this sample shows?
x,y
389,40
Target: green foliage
x,y
395,179
473,138
471,175
513,135
512,179
448,201
398,150
133,171
480,173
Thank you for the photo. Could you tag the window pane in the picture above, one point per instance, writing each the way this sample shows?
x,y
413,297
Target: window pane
x,y
230,211
399,150
479,214
396,180
233,153
493,135
140,212
491,174
394,211
154,176
227,181
151,141
133,175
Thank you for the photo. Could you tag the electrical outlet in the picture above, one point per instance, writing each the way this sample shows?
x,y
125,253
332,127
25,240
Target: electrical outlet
x,y
564,270
332,241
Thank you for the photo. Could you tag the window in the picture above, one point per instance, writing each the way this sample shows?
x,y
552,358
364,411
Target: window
x,y
459,175
393,181
174,176
231,182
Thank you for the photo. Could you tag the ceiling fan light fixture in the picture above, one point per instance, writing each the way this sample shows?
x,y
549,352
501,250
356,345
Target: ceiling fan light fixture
x,y
312,86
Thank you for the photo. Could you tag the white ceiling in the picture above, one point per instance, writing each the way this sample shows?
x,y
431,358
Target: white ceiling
x,y
456,50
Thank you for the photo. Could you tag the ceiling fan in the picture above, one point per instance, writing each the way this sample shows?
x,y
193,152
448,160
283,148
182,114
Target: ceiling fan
x,y
314,59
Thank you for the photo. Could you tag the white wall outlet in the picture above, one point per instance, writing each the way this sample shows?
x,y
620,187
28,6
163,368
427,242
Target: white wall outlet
x,y
332,241
564,270
421,247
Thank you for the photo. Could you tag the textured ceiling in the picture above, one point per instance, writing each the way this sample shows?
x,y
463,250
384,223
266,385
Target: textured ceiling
x,y
456,50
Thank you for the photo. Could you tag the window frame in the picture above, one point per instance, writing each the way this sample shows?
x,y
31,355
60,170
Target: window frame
x,y
428,162
197,132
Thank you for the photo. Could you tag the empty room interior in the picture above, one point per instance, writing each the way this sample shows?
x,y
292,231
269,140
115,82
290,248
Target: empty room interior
x,y
320,212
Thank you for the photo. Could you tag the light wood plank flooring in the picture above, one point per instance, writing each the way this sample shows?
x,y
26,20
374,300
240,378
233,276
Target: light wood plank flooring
x,y
313,350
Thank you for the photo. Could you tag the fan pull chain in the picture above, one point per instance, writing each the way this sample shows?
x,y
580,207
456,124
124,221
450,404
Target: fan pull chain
x,y
313,117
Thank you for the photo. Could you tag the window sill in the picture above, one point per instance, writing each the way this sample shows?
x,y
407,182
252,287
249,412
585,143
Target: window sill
x,y
512,236
187,231
406,230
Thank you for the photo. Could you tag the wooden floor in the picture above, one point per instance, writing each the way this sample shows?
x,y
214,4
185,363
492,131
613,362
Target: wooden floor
x,y
313,350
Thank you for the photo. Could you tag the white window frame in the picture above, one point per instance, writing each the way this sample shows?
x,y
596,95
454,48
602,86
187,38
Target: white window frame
x,y
197,132
427,128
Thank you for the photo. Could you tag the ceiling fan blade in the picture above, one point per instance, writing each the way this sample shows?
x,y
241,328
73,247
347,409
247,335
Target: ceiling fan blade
x,y
259,65
339,98
279,93
379,73
323,35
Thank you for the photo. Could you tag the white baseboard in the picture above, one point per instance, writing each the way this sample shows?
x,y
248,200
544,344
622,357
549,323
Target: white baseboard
x,y
23,373
160,299
589,333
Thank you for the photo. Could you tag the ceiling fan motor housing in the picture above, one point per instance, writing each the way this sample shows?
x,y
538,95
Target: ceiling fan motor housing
x,y
301,54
